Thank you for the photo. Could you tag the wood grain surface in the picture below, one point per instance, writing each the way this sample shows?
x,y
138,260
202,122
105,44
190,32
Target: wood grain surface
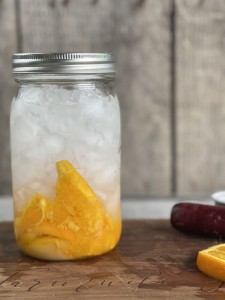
x,y
152,261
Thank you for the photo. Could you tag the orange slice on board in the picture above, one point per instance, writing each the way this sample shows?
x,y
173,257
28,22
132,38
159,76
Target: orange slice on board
x,y
211,261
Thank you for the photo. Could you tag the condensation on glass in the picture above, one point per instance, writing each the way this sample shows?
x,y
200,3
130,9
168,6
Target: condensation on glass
x,y
65,150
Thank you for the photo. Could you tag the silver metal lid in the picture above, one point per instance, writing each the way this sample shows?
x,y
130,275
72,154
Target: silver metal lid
x,y
63,63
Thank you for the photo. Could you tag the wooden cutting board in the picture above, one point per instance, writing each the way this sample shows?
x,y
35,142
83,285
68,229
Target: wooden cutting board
x,y
152,261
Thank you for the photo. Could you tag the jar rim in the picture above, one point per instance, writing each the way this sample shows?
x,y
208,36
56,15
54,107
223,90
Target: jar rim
x,y
63,63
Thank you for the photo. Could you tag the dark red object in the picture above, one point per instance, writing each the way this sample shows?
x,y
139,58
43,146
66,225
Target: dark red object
x,y
202,219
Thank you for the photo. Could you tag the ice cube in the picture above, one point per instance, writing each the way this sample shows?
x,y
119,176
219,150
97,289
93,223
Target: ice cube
x,y
99,121
19,174
107,179
24,136
57,95
51,123
33,94
50,144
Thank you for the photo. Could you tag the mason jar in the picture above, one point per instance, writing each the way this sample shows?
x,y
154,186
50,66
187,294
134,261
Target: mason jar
x,y
65,151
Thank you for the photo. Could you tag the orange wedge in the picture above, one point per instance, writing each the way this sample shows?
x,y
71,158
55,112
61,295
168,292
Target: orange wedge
x,y
211,261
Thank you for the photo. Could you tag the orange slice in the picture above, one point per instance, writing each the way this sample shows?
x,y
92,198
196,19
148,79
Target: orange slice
x,y
211,261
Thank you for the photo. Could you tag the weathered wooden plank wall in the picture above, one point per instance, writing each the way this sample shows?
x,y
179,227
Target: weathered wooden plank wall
x,y
8,45
200,95
170,62
139,36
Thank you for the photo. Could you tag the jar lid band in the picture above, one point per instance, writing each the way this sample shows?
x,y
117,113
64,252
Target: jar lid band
x,y
63,63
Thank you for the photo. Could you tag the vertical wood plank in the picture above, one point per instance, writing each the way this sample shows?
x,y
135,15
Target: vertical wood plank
x,y
143,55
138,33
8,46
200,78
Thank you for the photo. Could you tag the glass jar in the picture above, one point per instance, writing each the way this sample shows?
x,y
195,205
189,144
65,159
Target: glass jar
x,y
65,150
